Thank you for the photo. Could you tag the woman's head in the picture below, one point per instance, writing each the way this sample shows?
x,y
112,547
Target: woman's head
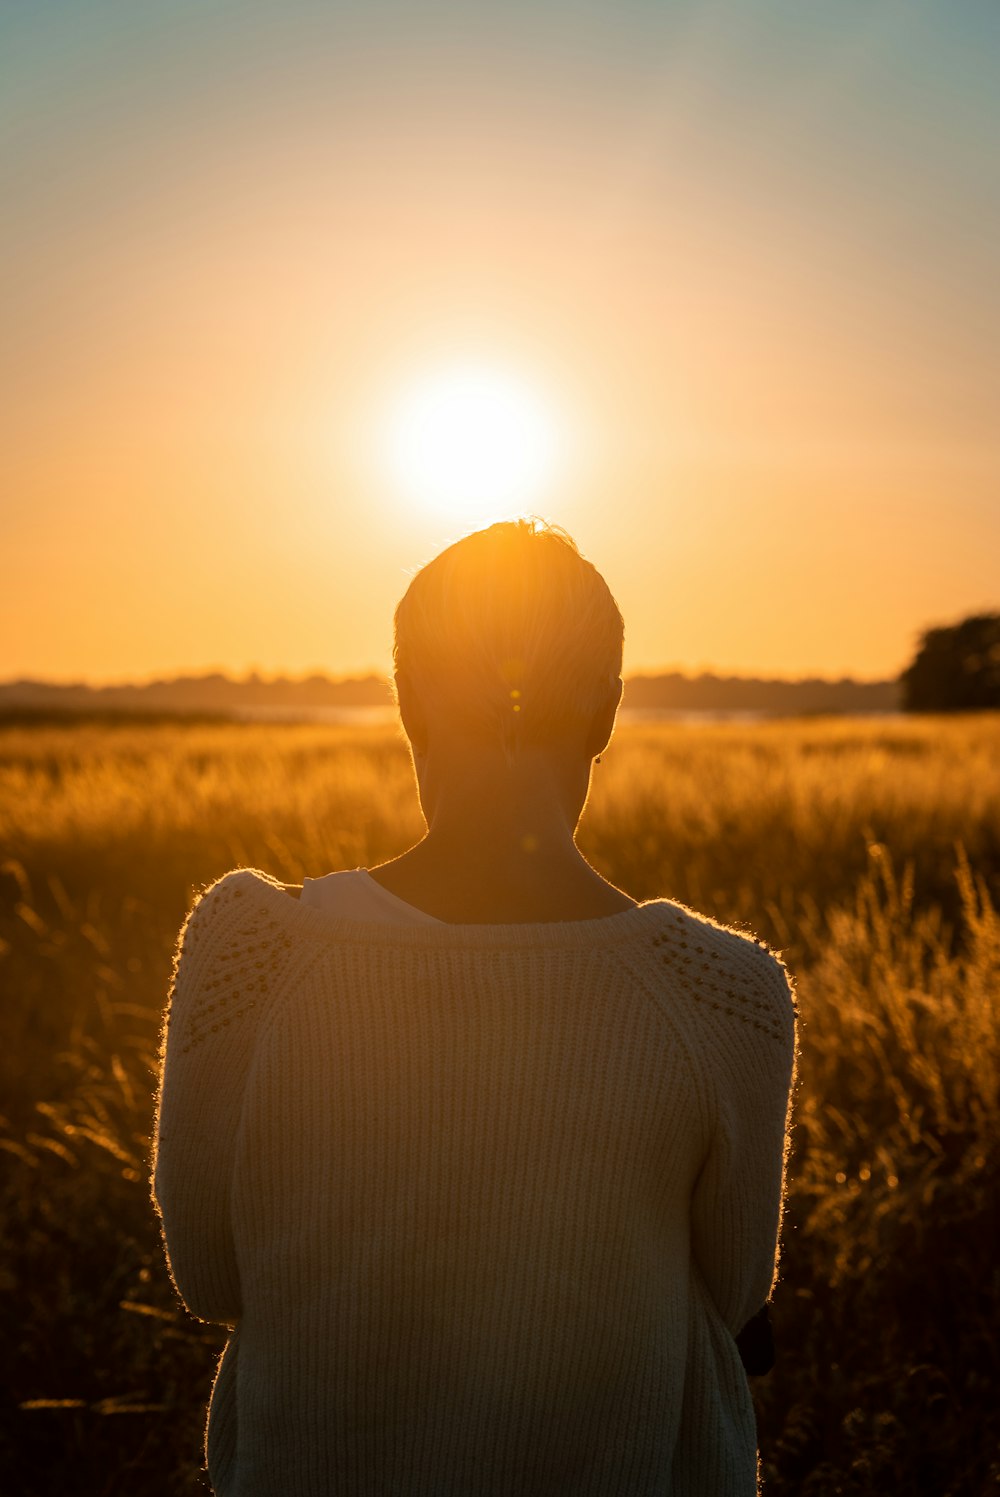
x,y
510,636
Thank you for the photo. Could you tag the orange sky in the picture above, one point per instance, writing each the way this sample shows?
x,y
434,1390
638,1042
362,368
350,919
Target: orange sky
x,y
749,252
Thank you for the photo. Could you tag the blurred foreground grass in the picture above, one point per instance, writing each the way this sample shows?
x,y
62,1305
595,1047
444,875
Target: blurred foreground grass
x,y
869,851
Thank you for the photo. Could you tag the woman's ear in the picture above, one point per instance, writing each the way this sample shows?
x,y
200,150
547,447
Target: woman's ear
x,y
603,724
411,712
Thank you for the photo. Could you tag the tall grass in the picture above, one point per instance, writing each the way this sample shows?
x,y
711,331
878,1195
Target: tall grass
x,y
869,851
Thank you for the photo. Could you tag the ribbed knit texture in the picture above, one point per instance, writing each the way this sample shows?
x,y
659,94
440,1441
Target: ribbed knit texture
x,y
485,1205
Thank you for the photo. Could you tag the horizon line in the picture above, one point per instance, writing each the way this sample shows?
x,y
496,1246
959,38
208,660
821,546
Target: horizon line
x,y
254,675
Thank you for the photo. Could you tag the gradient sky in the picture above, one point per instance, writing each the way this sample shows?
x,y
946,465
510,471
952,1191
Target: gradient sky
x,y
748,246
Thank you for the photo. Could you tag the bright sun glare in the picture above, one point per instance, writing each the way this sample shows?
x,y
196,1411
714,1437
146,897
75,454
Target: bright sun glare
x,y
472,439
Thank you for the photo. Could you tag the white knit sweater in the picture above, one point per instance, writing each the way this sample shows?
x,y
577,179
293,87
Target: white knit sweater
x,y
485,1205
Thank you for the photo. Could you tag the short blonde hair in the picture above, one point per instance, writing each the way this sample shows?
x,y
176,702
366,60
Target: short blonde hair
x,y
510,635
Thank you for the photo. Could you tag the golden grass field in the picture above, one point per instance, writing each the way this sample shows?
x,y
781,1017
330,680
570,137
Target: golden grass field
x,y
867,850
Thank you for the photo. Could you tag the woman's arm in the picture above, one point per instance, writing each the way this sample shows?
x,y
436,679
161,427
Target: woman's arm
x,y
738,1198
212,1020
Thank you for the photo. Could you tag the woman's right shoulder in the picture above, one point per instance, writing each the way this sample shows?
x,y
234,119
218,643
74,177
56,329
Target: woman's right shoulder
x,y
728,972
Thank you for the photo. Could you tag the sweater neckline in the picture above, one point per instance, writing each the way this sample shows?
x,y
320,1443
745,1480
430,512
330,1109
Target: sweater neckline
x,y
308,920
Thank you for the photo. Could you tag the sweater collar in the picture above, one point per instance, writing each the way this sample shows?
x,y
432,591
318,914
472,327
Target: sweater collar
x,y
306,920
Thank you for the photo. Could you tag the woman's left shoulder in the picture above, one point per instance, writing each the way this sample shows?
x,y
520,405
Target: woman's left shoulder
x,y
233,944
241,899
238,884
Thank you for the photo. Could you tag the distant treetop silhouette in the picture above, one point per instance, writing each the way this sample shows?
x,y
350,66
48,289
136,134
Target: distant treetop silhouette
x,y
956,668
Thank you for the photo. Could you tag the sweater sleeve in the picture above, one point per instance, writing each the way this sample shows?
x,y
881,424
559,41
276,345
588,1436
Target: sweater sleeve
x,y
739,1193
223,973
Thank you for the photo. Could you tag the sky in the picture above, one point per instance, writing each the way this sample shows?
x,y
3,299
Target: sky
x,y
741,255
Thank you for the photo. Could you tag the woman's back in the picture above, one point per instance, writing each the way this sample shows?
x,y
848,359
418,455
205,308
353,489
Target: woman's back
x,y
489,1204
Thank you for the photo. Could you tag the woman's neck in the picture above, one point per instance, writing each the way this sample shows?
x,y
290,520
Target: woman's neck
x,y
500,844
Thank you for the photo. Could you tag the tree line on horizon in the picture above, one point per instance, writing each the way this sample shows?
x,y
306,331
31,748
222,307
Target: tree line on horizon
x,y
956,668
217,693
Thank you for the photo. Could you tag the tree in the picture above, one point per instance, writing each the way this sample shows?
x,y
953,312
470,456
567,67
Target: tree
x,y
956,668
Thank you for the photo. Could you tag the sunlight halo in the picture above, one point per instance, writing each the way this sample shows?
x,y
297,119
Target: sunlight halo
x,y
472,439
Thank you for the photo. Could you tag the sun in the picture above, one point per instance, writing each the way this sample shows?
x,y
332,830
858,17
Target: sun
x,y
473,440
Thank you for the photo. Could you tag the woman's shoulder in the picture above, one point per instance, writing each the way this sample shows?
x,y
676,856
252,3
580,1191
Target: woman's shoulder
x,y
241,898
728,967
231,955
238,883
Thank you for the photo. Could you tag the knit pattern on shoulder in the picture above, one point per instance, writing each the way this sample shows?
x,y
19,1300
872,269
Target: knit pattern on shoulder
x,y
728,972
246,942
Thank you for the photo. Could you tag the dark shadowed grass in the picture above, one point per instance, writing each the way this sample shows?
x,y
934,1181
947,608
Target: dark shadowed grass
x,y
869,850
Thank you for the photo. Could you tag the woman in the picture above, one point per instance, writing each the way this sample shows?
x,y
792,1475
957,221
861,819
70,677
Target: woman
x,y
481,1161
